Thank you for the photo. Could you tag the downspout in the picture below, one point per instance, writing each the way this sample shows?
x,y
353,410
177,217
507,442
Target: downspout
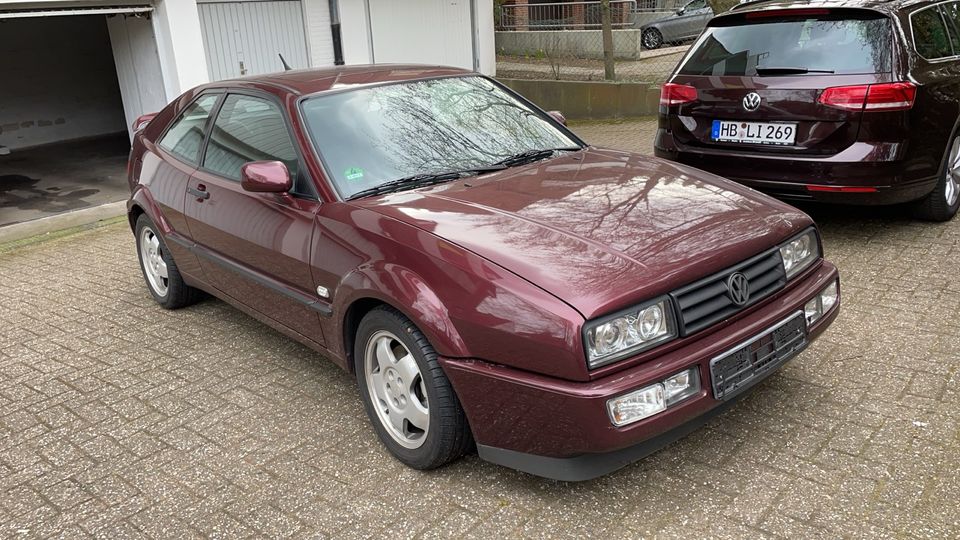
x,y
335,32
366,7
475,39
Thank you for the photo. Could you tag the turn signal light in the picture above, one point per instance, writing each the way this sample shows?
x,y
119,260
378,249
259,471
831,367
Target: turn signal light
x,y
677,94
898,96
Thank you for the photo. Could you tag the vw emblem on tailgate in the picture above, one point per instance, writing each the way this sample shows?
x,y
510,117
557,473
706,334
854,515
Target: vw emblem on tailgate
x,y
738,288
751,101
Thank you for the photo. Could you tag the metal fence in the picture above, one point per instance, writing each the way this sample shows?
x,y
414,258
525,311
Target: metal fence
x,y
564,40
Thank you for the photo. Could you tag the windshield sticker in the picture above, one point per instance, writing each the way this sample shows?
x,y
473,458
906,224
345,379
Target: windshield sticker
x,y
353,173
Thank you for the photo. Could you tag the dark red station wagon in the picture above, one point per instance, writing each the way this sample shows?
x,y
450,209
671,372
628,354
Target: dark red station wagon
x,y
489,278
835,101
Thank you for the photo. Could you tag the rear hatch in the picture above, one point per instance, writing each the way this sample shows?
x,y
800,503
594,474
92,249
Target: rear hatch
x,y
787,58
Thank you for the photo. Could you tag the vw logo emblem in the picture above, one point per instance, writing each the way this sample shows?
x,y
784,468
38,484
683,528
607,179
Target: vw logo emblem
x,y
751,101
738,288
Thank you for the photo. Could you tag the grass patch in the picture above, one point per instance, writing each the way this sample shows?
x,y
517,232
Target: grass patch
x,y
42,238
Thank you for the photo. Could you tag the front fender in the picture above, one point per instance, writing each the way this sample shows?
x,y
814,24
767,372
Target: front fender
x,y
406,291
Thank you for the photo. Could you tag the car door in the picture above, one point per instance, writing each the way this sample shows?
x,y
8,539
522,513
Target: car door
x,y
693,18
166,171
255,247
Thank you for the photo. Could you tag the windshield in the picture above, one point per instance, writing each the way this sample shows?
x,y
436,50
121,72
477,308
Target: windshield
x,y
370,136
826,44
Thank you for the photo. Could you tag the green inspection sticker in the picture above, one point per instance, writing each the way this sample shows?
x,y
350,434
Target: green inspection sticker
x,y
353,173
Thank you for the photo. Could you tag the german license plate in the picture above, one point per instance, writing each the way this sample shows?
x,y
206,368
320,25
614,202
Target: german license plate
x,y
753,132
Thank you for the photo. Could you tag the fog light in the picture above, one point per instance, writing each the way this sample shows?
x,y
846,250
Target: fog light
x,y
636,405
821,303
681,386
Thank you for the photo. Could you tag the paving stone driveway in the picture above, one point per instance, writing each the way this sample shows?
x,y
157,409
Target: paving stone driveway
x,y
119,419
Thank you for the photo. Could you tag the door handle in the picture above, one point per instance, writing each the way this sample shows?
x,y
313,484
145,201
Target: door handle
x,y
200,192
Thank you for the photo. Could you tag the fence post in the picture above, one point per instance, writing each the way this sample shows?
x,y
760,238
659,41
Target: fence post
x,y
608,65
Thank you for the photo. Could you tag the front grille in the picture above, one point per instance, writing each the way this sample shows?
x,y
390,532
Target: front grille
x,y
707,302
737,370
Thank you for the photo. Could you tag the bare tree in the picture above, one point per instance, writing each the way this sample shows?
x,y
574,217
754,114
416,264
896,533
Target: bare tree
x,y
608,66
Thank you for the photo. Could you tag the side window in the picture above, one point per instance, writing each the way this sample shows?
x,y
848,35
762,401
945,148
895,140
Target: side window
x,y
696,4
185,136
249,129
930,34
951,13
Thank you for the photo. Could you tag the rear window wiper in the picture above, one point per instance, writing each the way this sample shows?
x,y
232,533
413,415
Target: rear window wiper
x,y
529,156
423,179
789,71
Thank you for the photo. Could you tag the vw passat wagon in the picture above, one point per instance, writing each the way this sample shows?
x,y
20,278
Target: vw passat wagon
x,y
488,277
849,102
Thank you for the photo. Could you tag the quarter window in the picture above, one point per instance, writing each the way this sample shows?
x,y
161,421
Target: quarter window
x,y
248,129
930,34
185,136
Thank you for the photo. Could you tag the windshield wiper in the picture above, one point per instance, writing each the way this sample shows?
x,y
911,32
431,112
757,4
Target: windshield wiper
x,y
423,179
529,156
789,71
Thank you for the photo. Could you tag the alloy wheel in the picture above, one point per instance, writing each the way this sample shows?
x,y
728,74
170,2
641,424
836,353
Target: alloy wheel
x,y
952,185
154,266
396,389
652,39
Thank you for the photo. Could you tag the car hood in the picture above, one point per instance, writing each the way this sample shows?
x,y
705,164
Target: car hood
x,y
600,229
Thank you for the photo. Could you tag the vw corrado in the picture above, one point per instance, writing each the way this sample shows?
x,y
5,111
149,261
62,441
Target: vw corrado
x,y
490,278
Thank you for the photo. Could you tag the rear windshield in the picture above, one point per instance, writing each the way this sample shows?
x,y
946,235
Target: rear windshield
x,y
740,46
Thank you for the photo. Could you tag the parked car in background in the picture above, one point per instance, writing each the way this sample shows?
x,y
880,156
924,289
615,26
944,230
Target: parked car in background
x,y
486,275
852,101
685,24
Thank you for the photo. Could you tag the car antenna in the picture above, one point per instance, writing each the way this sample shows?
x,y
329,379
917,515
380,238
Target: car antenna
x,y
286,66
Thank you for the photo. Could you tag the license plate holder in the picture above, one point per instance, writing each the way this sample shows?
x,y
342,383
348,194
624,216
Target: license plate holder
x,y
768,133
747,364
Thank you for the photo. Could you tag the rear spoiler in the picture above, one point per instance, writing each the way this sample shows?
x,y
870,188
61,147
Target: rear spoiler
x,y
142,121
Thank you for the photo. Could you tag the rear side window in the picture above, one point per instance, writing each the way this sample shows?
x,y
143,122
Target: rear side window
x,y
185,136
829,43
930,35
248,129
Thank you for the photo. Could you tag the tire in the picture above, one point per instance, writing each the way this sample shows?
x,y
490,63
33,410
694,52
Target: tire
x,y
389,348
942,203
651,39
169,291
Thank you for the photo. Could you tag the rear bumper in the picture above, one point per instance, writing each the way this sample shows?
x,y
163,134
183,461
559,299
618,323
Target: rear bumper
x,y
874,166
561,429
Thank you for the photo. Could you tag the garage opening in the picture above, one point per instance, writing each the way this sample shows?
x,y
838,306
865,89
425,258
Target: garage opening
x,y
70,85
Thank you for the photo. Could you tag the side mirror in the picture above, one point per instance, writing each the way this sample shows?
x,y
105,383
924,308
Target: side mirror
x,y
681,11
558,116
265,177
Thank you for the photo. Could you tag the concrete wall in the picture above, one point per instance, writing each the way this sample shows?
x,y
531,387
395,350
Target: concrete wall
x,y
579,100
578,43
419,32
58,81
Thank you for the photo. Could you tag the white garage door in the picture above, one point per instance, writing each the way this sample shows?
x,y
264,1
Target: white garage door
x,y
247,37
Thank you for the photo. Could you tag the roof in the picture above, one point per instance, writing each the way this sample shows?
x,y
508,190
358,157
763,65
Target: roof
x,y
310,81
879,5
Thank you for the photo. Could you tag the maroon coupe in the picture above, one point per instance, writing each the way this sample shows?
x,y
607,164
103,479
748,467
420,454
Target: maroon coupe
x,y
490,278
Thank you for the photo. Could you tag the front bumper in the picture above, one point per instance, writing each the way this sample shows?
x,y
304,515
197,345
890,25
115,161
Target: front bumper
x,y
561,429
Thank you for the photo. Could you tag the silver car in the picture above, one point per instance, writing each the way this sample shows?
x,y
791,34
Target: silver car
x,y
686,23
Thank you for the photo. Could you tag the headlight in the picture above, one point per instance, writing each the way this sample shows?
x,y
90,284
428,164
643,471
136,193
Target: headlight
x,y
628,332
800,252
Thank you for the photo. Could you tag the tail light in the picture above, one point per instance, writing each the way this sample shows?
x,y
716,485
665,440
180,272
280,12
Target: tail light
x,y
898,96
677,94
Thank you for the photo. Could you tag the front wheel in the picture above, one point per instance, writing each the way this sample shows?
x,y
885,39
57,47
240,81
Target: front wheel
x,y
942,203
409,399
163,279
652,38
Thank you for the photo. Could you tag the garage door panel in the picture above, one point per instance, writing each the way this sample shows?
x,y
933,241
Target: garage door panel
x,y
245,38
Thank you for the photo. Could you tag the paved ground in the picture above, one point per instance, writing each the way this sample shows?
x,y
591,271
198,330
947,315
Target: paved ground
x,y
57,178
119,419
